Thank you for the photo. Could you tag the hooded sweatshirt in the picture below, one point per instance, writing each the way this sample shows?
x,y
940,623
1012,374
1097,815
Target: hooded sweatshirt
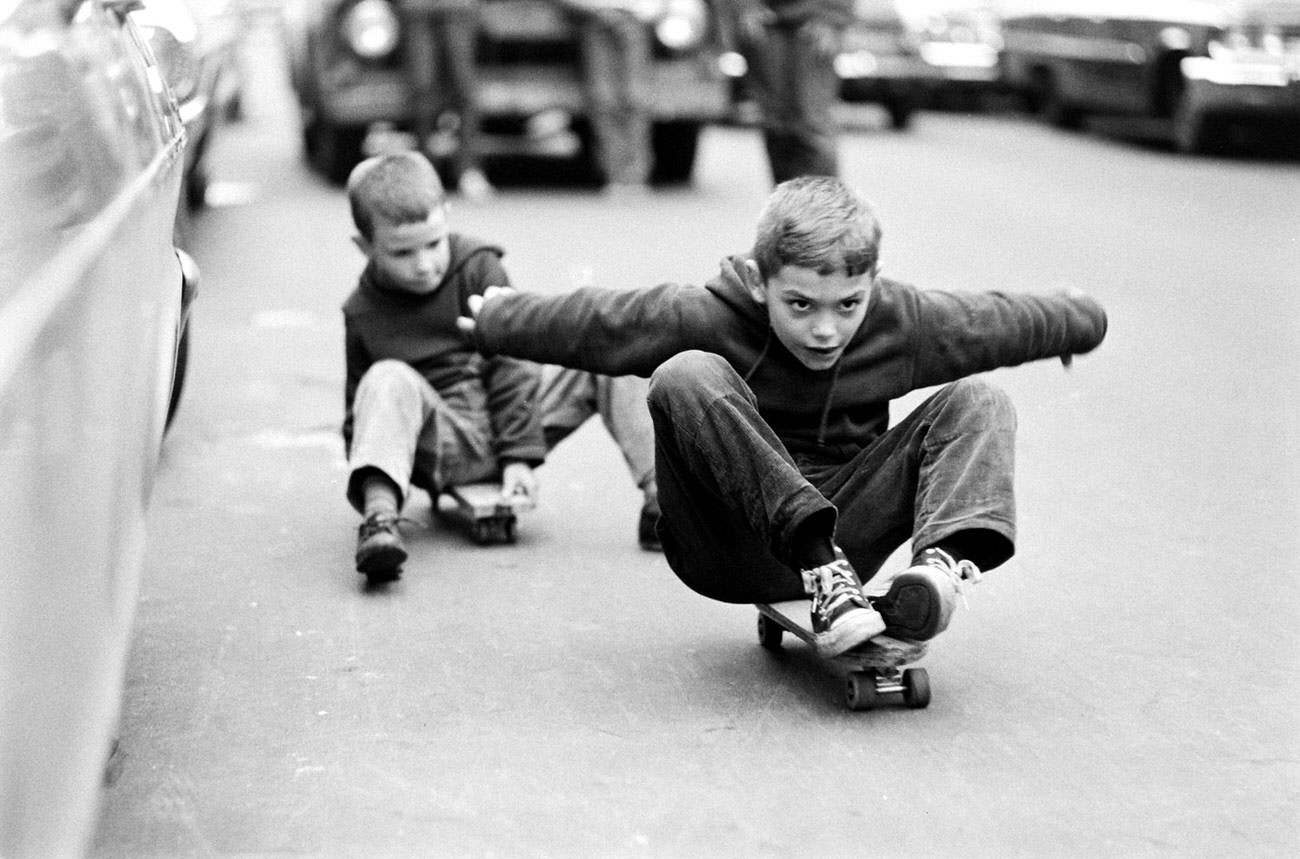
x,y
909,339
420,330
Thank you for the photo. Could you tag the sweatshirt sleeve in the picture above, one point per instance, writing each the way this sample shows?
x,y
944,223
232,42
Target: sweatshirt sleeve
x,y
962,334
512,386
613,332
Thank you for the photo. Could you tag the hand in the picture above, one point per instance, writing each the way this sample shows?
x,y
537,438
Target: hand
x,y
519,483
467,324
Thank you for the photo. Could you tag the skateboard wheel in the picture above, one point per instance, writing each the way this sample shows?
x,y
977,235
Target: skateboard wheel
x,y
482,532
769,632
508,531
916,688
860,690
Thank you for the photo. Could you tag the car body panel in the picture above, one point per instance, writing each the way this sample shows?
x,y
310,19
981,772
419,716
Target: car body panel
x,y
93,306
1188,61
529,66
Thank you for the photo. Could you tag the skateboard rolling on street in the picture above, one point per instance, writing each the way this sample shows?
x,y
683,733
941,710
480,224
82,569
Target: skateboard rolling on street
x,y
870,670
479,509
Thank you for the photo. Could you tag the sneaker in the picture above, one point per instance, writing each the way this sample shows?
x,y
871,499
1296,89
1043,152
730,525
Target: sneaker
x,y
646,534
379,548
842,618
917,603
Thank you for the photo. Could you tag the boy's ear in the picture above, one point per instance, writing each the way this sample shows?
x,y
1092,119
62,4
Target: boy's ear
x,y
754,282
362,244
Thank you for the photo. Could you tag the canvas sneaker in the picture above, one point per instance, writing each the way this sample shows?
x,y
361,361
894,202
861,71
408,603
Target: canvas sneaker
x,y
917,603
842,618
379,548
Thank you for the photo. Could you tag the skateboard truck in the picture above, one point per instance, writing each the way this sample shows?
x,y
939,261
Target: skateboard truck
x,y
480,510
870,671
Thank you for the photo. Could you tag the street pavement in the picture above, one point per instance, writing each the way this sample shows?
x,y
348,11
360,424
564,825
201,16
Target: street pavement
x,y
1126,686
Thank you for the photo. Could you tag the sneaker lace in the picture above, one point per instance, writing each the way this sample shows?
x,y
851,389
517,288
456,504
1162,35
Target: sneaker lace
x,y
962,573
832,584
380,522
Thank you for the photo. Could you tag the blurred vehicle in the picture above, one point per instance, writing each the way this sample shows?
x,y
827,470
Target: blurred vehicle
x,y
196,43
1199,65
349,67
961,40
881,63
94,299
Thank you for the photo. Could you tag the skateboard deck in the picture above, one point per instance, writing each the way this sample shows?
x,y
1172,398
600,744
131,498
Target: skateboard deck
x,y
479,509
870,671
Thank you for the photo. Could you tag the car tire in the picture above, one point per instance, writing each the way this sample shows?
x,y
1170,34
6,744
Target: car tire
x,y
674,147
1195,132
900,114
1053,106
333,150
178,376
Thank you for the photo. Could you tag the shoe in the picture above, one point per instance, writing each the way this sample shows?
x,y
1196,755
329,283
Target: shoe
x,y
646,534
917,603
474,186
379,548
842,618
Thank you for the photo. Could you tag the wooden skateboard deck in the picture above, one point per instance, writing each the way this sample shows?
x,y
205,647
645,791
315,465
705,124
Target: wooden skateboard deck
x,y
871,670
480,510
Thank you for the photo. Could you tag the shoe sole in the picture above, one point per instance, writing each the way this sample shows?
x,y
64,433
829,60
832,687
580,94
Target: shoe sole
x,y
849,632
914,608
382,561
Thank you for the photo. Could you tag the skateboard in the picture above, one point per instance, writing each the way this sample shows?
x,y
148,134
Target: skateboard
x,y
870,670
481,511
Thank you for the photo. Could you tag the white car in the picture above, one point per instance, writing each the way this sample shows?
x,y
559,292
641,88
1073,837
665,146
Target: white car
x,y
94,300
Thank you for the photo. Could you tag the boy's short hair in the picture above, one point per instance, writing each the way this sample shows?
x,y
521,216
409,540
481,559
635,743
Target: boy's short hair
x,y
400,187
819,223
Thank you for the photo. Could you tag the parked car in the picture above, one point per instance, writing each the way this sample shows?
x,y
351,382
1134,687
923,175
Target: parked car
x,y
881,62
94,299
1199,65
349,65
960,40
196,43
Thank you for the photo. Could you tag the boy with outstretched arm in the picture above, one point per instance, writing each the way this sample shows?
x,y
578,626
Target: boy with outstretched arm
x,y
422,406
779,476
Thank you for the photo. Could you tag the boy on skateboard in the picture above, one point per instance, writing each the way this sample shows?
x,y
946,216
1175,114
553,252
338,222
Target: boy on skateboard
x,y
779,476
422,407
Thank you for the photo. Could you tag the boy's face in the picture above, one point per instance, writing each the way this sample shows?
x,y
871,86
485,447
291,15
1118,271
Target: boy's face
x,y
813,315
412,256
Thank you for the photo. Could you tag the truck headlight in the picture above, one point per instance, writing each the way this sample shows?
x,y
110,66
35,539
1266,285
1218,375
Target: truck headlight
x,y
371,29
682,24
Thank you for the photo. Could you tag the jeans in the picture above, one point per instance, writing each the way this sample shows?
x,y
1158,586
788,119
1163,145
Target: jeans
x,y
615,58
417,435
734,500
797,89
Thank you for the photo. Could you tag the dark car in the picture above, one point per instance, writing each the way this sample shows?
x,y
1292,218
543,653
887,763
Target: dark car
x,y
881,63
349,68
1200,66
94,299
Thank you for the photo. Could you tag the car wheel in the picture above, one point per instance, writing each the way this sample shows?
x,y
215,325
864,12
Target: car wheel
x,y
1194,131
178,376
1053,106
900,114
675,145
333,150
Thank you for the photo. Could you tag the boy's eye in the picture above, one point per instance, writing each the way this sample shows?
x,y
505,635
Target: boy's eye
x,y
850,304
798,305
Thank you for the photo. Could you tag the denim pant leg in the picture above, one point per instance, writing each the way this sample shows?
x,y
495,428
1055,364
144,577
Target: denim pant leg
x,y
731,496
947,467
404,428
615,54
569,397
797,89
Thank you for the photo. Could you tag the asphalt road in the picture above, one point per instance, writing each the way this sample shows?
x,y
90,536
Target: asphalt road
x,y
1126,686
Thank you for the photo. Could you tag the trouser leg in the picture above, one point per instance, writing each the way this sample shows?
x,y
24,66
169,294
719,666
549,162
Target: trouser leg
x,y
946,469
569,397
733,500
407,430
797,90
